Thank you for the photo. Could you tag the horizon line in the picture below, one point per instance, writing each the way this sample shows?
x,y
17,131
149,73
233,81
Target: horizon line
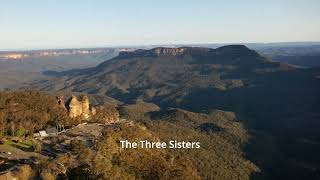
x,y
154,45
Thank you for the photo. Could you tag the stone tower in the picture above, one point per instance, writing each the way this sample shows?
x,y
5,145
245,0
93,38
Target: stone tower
x,y
74,107
85,107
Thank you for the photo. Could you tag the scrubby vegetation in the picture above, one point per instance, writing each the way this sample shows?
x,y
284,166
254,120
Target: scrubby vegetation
x,y
220,134
257,145
105,114
221,155
24,112
109,161
278,105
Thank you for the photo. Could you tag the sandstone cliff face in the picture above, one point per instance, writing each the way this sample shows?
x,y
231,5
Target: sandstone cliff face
x,y
164,51
169,51
160,51
93,111
85,107
74,107
82,109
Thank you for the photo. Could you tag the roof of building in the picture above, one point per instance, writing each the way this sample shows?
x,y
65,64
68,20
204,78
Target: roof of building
x,y
43,133
51,130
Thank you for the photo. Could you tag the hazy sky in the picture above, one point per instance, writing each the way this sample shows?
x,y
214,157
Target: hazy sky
x,y
28,24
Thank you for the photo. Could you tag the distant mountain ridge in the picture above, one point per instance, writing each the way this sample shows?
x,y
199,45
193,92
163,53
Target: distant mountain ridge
x,y
227,55
193,51
277,102
160,72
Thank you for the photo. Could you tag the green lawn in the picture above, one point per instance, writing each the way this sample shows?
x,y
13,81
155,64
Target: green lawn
x,y
25,145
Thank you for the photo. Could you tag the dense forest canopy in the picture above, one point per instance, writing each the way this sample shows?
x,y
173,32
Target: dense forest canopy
x,y
24,112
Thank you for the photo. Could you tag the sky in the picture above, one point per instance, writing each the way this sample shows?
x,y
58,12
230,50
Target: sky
x,y
39,24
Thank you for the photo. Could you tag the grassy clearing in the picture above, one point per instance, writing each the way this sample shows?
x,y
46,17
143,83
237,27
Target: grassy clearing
x,y
25,145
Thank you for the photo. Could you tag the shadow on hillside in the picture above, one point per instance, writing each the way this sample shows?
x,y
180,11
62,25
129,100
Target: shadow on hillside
x,y
22,148
86,71
273,114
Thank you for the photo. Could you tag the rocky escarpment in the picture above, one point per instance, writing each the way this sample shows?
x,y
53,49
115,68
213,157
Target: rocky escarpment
x,y
163,51
86,111
168,74
235,50
78,108
83,110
